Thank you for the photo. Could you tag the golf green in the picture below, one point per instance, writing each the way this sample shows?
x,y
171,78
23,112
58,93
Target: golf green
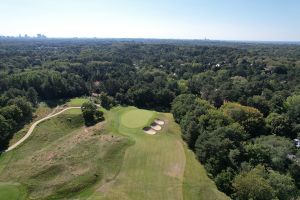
x,y
136,118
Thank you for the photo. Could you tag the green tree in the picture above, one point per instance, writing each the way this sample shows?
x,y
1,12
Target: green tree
x,y
278,149
260,103
12,113
250,118
224,180
90,113
32,96
292,105
257,154
253,185
4,129
107,102
24,106
279,125
283,186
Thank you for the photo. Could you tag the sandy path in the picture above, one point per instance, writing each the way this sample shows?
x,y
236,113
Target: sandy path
x,y
34,125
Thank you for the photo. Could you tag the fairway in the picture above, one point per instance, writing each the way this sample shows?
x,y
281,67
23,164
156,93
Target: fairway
x,y
136,118
155,166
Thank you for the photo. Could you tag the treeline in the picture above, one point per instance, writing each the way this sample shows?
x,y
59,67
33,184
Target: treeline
x,y
16,108
248,155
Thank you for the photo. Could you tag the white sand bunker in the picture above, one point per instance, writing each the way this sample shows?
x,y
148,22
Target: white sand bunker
x,y
159,122
154,127
149,131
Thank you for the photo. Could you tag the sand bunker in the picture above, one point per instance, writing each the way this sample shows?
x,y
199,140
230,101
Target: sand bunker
x,y
154,127
149,131
159,122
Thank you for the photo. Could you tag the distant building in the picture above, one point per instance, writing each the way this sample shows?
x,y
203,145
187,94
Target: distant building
x,y
41,36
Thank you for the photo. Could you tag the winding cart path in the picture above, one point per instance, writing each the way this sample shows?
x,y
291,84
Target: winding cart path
x,y
29,132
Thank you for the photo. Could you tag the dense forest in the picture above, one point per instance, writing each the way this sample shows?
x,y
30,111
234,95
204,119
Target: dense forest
x,y
238,104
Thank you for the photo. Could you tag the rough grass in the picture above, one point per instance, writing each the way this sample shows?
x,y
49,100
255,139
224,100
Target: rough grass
x,y
77,101
197,185
62,158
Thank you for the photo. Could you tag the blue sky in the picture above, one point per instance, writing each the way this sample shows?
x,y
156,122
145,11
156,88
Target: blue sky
x,y
267,20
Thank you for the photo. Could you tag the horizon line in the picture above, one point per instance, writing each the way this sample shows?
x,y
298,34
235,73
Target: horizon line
x,y
154,38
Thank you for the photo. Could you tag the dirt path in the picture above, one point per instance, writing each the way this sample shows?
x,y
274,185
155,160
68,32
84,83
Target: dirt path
x,y
34,125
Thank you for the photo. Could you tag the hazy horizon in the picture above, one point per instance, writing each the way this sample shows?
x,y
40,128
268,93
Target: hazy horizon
x,y
231,20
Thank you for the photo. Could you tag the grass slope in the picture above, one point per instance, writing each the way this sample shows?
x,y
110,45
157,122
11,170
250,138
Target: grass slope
x,y
63,158
112,160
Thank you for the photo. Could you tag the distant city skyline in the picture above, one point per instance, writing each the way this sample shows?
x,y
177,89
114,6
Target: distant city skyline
x,y
243,20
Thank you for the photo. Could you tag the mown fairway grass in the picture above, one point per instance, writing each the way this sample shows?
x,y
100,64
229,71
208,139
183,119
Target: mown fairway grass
x,y
115,160
11,191
155,166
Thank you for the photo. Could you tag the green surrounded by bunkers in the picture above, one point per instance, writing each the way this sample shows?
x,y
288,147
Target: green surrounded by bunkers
x,y
114,159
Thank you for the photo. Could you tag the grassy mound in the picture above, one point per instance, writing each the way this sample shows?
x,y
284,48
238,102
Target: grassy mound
x,y
63,158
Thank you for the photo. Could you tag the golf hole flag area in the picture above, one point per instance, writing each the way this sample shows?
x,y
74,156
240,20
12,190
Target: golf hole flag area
x,y
138,118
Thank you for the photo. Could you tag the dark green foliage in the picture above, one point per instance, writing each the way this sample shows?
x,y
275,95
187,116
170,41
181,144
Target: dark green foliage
x,y
279,125
223,180
250,118
4,129
253,185
278,148
292,106
90,113
32,96
260,103
107,102
24,105
283,186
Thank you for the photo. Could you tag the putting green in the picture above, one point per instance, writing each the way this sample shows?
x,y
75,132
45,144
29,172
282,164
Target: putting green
x,y
136,118
12,191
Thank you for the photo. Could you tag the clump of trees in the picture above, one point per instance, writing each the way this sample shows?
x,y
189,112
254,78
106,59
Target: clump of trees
x,y
91,114
235,142
16,109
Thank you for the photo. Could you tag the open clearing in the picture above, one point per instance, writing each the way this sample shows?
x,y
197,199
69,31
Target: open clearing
x,y
114,159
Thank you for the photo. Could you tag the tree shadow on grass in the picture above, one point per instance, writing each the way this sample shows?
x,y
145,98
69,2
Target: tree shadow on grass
x,y
55,102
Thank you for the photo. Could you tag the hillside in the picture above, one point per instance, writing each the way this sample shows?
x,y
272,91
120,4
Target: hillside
x,y
114,159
